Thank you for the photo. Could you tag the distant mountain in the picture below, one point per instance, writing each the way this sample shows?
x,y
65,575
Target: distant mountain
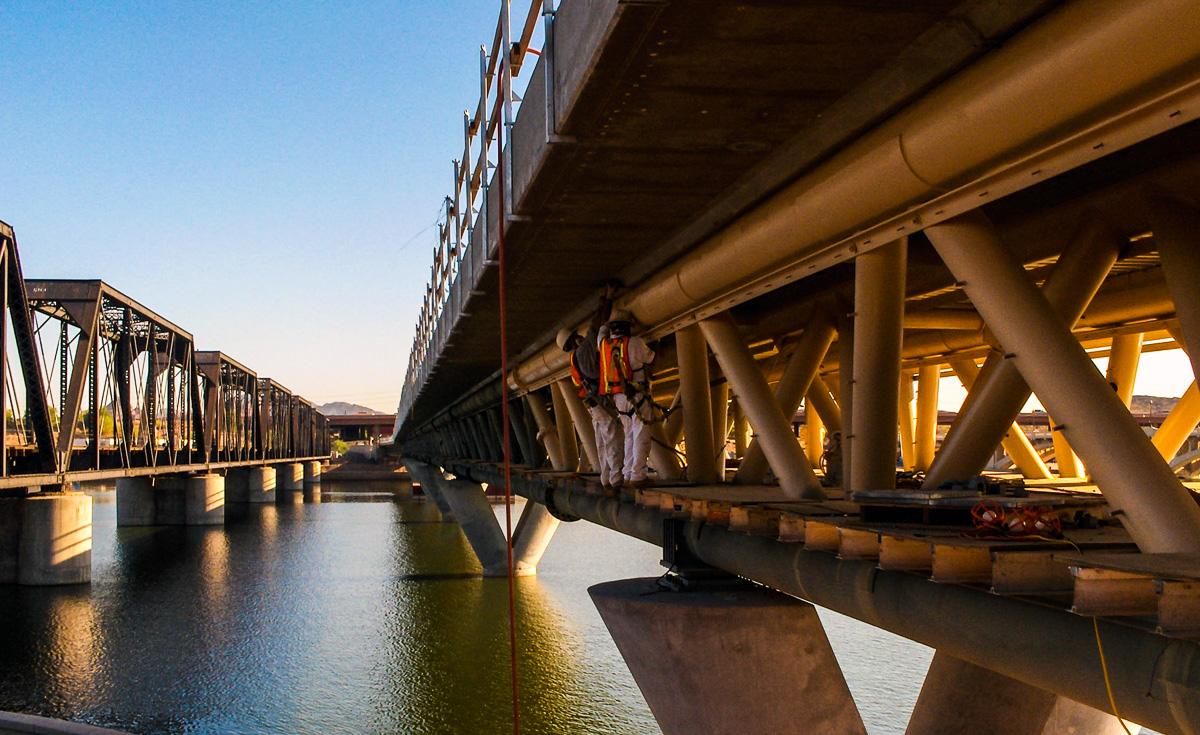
x,y
341,408
1152,404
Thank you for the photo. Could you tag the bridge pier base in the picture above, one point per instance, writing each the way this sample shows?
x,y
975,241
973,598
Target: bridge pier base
x,y
423,474
171,500
46,539
290,477
712,661
261,485
469,506
960,697
312,482
237,485
204,500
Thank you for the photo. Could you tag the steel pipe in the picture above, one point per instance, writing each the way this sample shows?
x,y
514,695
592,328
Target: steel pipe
x,y
773,429
582,420
1179,424
1123,358
1016,444
719,400
697,409
1157,510
1177,237
905,419
879,278
567,445
929,378
547,431
797,376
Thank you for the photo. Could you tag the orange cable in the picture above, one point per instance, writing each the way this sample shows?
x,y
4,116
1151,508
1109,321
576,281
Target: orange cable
x,y
512,612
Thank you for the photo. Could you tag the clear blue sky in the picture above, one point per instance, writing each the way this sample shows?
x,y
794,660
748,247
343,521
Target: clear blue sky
x,y
263,174
251,171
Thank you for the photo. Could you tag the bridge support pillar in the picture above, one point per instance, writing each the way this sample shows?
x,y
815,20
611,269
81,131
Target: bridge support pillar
x,y
204,500
697,404
960,697
424,474
312,482
237,485
262,485
531,537
46,539
290,477
728,660
135,502
878,333
473,511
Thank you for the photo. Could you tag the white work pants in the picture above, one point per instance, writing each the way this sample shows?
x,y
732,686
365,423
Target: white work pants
x,y
637,438
609,445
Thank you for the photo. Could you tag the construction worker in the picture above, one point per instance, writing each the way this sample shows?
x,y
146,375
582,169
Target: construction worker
x,y
585,374
623,361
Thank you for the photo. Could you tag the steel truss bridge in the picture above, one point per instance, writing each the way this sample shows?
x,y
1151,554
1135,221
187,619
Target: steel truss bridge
x,y
100,387
840,205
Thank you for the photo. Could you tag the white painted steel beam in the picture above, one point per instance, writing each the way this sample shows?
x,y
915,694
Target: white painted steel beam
x,y
692,351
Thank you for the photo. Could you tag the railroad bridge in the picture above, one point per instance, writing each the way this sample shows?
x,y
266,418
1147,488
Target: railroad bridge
x,y
97,387
841,205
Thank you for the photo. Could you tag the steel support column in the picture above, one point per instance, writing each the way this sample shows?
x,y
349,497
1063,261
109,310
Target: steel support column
x,y
694,392
879,278
567,445
795,381
718,397
1179,424
547,432
773,429
1001,390
1015,442
929,378
1123,358
1177,237
1156,509
904,418
582,421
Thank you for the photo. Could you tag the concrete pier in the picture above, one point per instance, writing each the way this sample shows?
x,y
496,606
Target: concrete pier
x,y
728,660
237,485
171,500
261,485
54,545
423,474
473,511
312,472
960,697
290,477
204,500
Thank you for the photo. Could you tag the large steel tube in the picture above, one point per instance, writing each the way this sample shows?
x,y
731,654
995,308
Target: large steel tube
x,y
566,433
1001,391
697,411
1025,458
823,403
1158,511
797,376
773,429
719,401
582,421
663,457
904,418
547,432
1178,424
1123,358
879,278
929,379
845,392
1177,237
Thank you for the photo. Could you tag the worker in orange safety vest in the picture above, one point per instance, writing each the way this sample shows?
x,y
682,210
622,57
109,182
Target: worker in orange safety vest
x,y
585,374
623,362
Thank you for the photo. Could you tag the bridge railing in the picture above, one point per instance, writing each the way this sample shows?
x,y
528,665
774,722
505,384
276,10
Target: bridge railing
x,y
464,248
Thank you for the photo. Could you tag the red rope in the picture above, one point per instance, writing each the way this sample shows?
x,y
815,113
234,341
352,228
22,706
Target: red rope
x,y
512,610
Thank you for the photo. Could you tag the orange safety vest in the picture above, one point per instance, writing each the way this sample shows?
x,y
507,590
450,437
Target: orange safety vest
x,y
577,377
614,365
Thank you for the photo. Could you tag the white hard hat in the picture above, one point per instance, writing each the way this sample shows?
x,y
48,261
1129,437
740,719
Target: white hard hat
x,y
564,336
620,315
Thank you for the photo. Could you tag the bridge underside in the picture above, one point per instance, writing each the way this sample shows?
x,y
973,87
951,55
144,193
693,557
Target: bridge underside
x,y
838,207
